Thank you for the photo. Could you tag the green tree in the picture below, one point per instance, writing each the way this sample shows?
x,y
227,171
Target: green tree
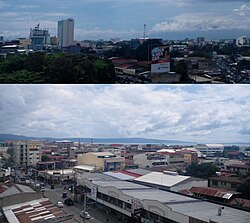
x,y
245,189
181,68
204,170
45,158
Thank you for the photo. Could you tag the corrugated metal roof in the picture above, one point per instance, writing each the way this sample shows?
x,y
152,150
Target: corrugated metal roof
x,y
162,179
213,192
140,171
119,175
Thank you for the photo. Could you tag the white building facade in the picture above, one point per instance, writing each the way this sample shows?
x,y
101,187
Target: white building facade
x,y
27,153
65,32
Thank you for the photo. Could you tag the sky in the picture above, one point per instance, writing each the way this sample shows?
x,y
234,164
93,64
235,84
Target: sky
x,y
193,113
105,19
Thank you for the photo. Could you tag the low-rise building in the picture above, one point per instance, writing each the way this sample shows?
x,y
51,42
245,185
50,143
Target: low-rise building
x,y
210,149
226,182
130,202
104,161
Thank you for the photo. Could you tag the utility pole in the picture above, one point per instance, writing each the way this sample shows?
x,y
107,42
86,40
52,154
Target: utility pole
x,y
84,205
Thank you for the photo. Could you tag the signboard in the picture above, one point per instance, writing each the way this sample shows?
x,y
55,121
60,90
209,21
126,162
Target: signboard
x,y
93,194
160,53
160,67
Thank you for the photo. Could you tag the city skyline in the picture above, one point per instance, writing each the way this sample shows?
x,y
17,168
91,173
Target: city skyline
x,y
184,112
105,19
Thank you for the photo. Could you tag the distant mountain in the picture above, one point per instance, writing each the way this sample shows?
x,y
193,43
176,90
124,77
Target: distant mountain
x,y
96,140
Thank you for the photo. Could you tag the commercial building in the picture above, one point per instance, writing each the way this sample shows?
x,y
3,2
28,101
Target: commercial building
x,y
104,161
65,32
40,38
27,153
210,149
130,202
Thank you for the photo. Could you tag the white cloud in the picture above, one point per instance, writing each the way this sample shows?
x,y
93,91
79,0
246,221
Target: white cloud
x,y
206,21
209,113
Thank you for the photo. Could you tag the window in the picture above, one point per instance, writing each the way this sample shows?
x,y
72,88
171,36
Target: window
x,y
215,183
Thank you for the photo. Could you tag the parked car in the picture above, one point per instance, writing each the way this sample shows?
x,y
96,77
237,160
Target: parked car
x,y
85,214
64,194
69,202
59,204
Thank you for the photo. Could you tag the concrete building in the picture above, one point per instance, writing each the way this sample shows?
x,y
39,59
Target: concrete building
x,y
65,33
40,38
210,149
24,43
27,153
151,159
242,41
130,202
226,182
104,161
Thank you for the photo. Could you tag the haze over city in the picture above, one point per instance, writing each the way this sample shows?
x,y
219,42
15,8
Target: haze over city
x,y
95,19
187,113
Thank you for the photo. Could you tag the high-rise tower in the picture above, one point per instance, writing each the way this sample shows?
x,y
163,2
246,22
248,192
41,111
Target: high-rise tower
x,y
65,32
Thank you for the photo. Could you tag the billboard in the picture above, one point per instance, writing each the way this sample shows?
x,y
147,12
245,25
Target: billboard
x,y
160,67
160,53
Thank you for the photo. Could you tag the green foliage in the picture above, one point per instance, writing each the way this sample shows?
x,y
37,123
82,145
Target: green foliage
x,y
56,68
245,189
181,68
45,158
204,170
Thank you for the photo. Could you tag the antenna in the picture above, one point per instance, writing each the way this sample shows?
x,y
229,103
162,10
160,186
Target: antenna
x,y
145,31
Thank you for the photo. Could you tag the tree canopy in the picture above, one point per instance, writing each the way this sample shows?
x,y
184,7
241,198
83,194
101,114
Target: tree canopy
x,y
204,170
56,68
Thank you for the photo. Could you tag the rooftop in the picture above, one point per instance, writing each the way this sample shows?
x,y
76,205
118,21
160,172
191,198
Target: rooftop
x,y
162,179
35,211
16,189
213,192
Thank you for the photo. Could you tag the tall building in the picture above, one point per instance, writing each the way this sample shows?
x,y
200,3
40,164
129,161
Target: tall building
x,y
27,153
65,32
242,41
39,38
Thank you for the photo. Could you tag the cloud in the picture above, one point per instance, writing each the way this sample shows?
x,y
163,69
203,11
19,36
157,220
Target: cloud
x,y
208,113
206,21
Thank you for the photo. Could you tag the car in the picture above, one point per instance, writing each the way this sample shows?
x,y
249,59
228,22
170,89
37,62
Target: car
x,y
69,202
85,214
59,204
64,194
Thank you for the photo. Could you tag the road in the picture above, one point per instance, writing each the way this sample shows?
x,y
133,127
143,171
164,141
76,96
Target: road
x,y
97,216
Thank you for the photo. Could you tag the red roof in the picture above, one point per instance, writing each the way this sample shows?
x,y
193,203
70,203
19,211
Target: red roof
x,y
130,173
213,192
239,201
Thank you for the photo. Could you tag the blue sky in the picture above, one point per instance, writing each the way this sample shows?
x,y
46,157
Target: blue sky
x,y
95,19
202,113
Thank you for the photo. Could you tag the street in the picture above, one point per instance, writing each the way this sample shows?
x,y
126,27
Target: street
x,y
97,216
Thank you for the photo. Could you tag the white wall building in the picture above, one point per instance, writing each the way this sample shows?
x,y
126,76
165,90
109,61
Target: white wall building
x,y
242,41
27,153
65,32
210,149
